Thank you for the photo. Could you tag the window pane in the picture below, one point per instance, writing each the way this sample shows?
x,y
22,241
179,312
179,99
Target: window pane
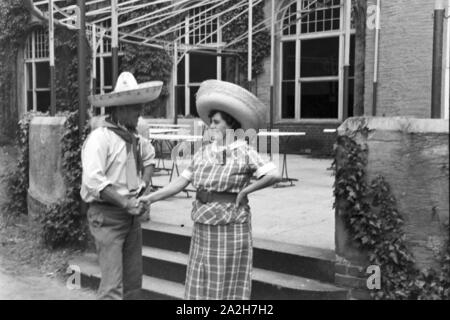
x,y
288,100
29,67
319,14
289,60
229,69
29,100
290,19
319,100
43,100
351,90
352,55
202,67
193,111
180,71
107,71
97,75
181,101
320,57
42,75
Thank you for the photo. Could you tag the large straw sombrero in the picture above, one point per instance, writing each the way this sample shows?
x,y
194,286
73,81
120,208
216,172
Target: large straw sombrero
x,y
127,92
232,99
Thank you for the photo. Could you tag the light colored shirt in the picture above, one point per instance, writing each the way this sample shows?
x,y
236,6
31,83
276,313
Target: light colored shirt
x,y
212,171
104,161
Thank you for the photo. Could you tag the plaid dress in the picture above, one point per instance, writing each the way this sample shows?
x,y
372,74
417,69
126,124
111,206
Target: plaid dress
x,y
220,256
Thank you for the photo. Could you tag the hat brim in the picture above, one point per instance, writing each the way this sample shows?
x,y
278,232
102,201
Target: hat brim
x,y
232,99
146,92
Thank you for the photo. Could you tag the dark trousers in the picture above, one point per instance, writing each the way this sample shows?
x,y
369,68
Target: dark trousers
x,y
118,239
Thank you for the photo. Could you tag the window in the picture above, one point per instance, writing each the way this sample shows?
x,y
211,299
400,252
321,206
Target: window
x,y
200,32
103,62
312,46
37,71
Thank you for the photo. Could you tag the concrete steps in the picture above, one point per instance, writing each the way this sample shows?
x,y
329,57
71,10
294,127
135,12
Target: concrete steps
x,y
312,263
280,271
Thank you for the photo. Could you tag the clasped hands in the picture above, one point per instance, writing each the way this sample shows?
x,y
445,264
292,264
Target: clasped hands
x,y
137,207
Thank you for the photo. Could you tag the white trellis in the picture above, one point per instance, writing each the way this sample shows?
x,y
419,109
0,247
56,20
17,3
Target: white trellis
x,y
136,29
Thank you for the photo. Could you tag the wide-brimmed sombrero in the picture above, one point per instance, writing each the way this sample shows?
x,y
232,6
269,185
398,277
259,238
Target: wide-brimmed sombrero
x,y
232,99
128,92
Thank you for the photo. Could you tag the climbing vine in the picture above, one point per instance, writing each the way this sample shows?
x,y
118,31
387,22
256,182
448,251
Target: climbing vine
x,y
370,213
14,20
64,223
18,180
261,40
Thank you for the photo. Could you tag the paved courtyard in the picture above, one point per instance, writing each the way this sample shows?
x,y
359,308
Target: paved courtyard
x,y
302,214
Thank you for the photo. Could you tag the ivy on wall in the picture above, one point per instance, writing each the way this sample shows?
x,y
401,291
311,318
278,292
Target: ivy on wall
x,y
66,69
18,180
261,40
376,227
14,20
149,64
64,223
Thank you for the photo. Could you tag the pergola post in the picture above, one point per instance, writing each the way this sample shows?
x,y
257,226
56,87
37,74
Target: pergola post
x,y
82,94
51,38
438,47
347,37
114,41
250,44
272,64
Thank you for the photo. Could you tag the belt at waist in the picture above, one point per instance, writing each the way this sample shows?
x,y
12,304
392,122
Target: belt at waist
x,y
212,196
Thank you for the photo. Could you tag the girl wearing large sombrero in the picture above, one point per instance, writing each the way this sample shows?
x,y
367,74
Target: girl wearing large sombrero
x,y
220,258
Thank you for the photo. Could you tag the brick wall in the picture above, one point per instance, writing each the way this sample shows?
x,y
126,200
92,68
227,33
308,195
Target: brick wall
x,y
353,277
405,64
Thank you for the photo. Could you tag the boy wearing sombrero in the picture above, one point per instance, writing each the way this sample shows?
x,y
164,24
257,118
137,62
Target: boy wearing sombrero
x,y
220,256
115,161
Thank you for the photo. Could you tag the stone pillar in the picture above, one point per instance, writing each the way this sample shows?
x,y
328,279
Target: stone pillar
x,y
47,185
413,156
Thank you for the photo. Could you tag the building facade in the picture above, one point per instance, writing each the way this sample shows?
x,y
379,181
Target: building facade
x,y
308,69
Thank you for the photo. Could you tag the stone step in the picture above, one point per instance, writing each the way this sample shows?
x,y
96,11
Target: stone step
x,y
153,288
171,266
297,260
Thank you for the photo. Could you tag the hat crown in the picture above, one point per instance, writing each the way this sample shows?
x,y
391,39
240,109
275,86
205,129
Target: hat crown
x,y
125,82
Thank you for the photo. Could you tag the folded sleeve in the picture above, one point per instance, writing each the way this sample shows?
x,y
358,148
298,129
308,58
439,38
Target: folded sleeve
x,y
147,152
93,158
259,164
188,173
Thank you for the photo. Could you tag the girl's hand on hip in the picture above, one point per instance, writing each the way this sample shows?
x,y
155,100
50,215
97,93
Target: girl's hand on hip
x,y
241,198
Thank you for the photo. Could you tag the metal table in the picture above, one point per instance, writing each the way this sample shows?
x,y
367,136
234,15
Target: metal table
x,y
171,140
288,136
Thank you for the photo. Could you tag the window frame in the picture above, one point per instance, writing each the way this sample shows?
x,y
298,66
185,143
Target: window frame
x,y
298,38
104,51
33,60
187,37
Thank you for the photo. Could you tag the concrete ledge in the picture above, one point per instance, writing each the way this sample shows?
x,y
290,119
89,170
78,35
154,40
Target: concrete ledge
x,y
413,156
403,124
36,208
47,184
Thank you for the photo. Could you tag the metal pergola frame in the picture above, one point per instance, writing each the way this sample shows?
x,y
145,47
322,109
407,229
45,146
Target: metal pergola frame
x,y
87,16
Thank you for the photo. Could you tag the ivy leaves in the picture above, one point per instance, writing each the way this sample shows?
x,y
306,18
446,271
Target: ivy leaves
x,y
63,223
371,215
